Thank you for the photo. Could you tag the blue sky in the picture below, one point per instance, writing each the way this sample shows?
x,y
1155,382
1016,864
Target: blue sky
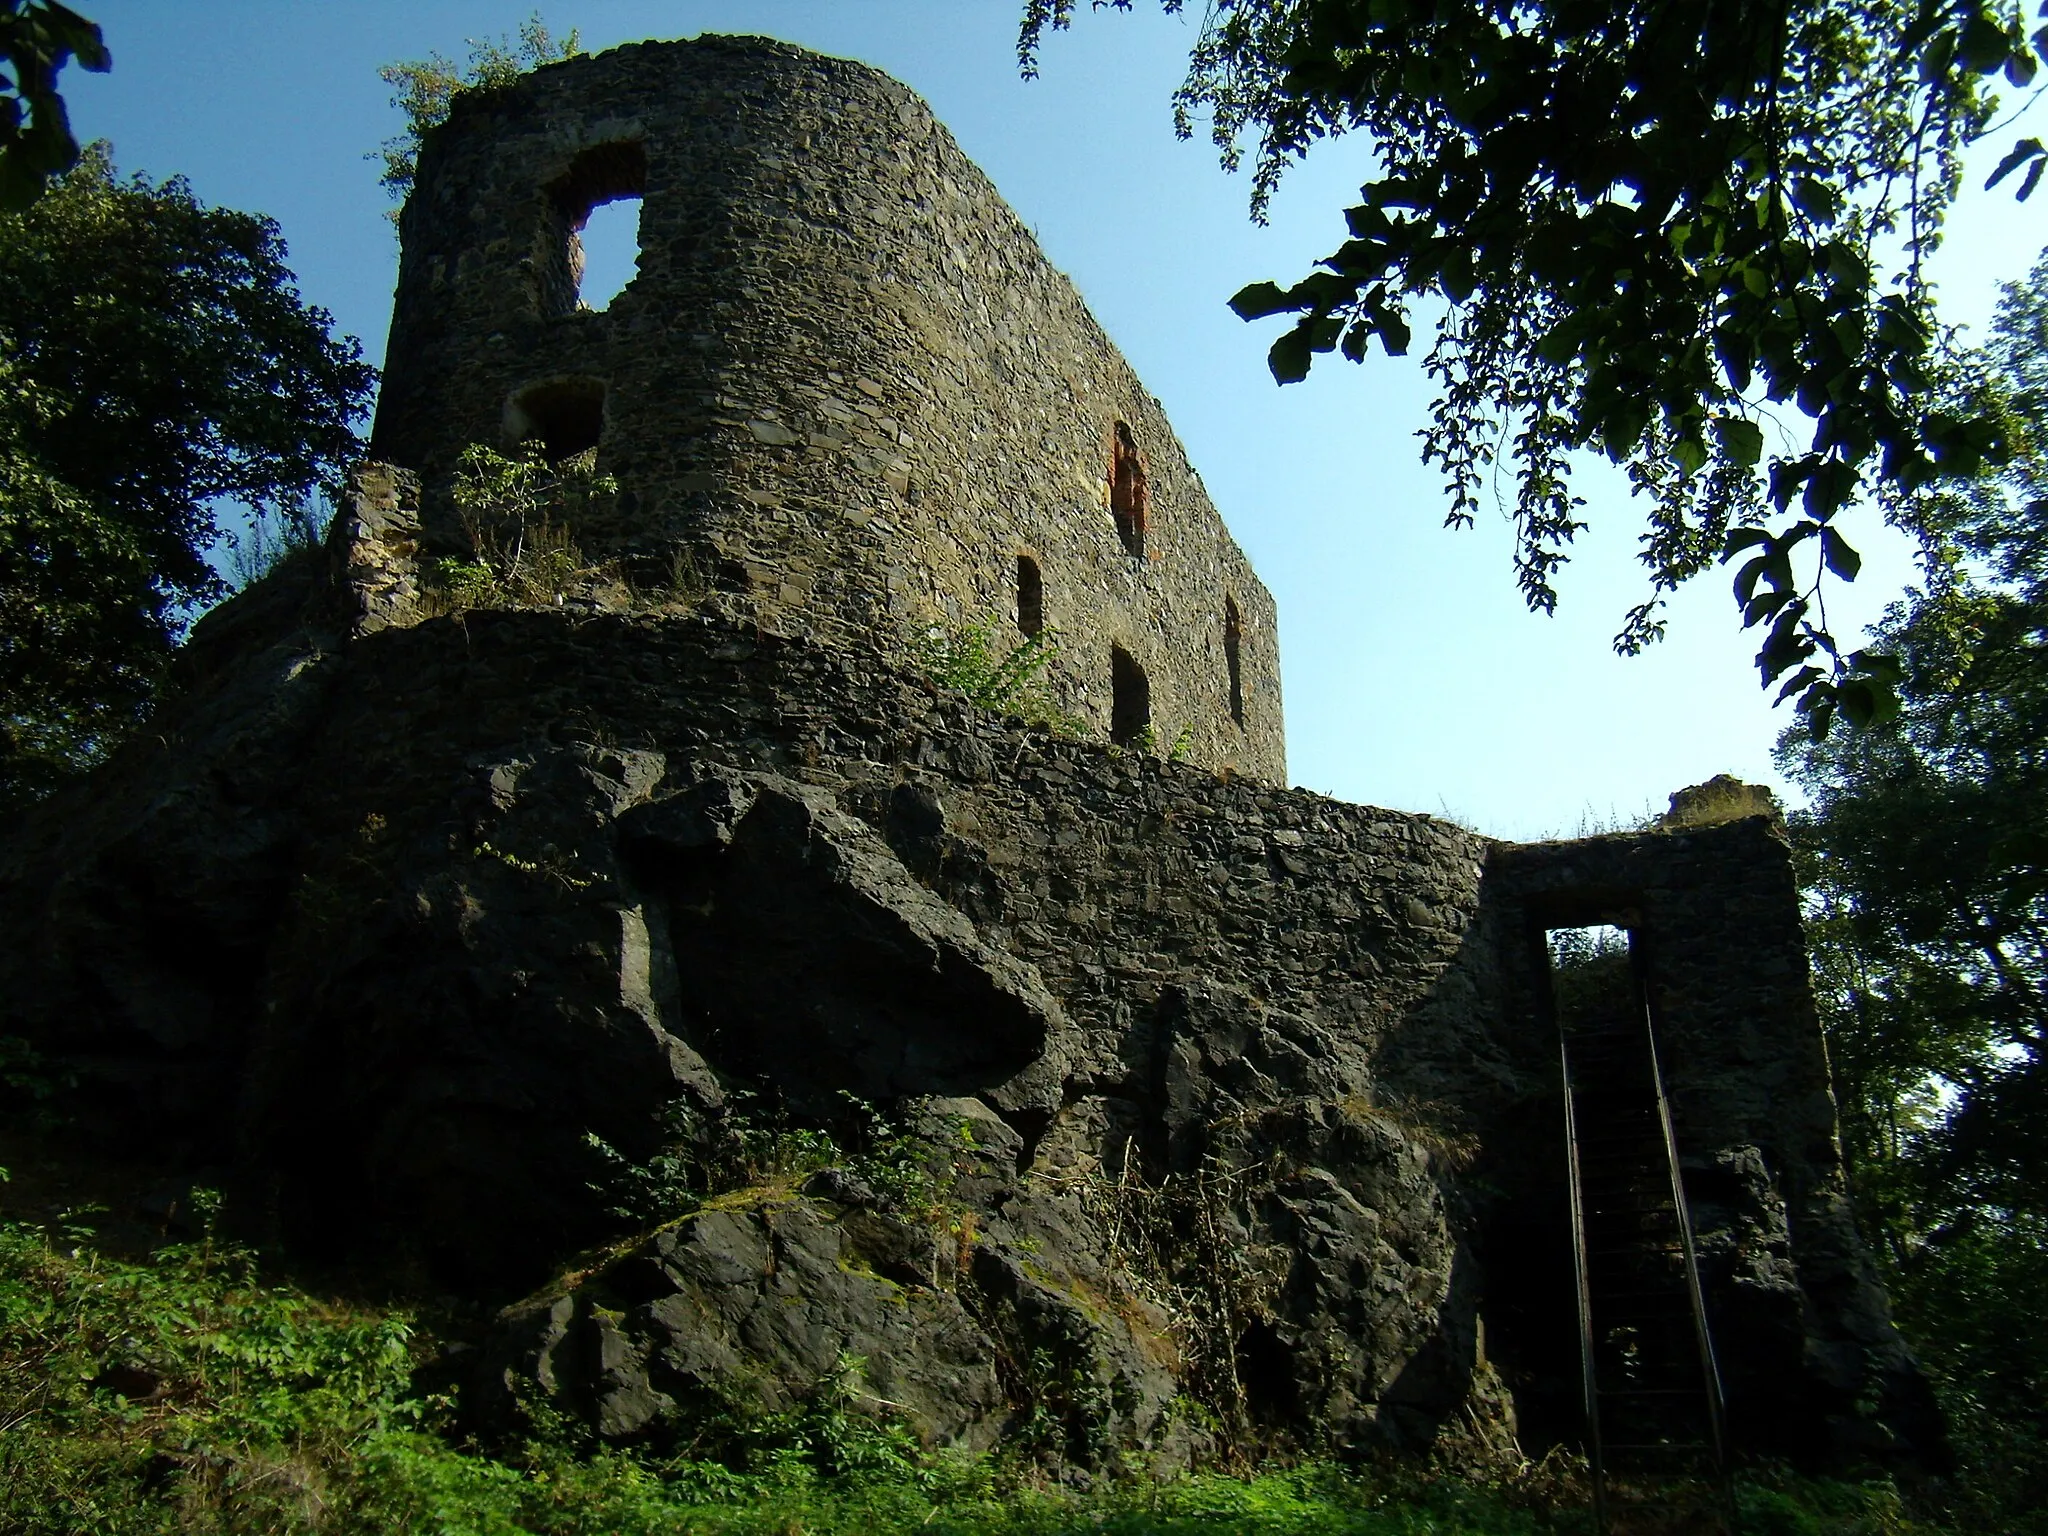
x,y
1414,677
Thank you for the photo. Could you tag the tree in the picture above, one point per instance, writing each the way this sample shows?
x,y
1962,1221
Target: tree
x,y
1650,225
37,39
155,360
1927,846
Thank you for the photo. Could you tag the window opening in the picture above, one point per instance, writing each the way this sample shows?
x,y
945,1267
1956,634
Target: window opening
x,y
596,209
1130,698
610,241
1233,644
565,416
1030,596
1128,501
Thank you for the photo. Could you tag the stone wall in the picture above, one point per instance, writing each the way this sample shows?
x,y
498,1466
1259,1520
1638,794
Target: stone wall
x,y
844,374
394,917
1801,1326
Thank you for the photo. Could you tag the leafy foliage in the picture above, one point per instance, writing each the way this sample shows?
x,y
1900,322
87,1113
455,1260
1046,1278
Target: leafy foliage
x,y
155,360
37,39
752,1147
1007,679
1929,878
425,90
517,514
186,1394
1649,227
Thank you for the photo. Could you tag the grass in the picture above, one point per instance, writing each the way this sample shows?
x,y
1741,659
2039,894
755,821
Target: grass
x,y
182,1392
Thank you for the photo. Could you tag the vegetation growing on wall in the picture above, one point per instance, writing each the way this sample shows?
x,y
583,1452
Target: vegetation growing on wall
x,y
1007,679
425,90
517,514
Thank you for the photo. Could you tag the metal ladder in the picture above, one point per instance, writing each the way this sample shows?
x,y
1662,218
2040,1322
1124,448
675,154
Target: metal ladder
x,y
1652,1389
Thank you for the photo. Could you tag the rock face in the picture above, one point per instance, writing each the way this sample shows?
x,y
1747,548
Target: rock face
x,y
1027,1088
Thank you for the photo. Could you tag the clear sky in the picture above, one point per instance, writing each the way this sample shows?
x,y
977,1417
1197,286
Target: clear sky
x,y
1414,677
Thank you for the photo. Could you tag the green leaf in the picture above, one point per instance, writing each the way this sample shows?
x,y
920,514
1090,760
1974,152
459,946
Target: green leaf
x,y
1984,48
1394,333
1785,647
1741,440
1764,604
1742,538
1798,680
1858,701
1747,578
1455,277
1255,301
1815,197
1879,664
1836,554
2024,150
1829,488
1560,344
1289,356
1818,705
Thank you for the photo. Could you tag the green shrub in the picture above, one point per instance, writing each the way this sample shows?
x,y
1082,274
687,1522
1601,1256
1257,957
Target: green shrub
x,y
1006,679
517,514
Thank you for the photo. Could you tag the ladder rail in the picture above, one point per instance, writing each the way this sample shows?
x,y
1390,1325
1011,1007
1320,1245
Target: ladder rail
x,y
1710,1368
1581,1265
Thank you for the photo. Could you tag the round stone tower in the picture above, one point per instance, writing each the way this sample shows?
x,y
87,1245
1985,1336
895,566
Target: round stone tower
x,y
844,381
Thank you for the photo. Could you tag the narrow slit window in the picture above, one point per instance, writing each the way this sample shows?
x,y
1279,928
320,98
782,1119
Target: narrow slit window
x,y
1233,657
1030,596
564,416
595,209
1128,499
1130,698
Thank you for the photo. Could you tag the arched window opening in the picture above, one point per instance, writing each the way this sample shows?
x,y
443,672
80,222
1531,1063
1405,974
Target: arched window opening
x,y
1030,596
596,208
565,416
1127,495
1233,659
1130,698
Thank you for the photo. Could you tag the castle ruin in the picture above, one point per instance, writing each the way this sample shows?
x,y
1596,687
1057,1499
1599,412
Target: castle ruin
x,y
1250,1105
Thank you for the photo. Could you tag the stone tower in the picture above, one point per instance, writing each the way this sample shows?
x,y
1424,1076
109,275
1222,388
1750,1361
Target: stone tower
x,y
844,379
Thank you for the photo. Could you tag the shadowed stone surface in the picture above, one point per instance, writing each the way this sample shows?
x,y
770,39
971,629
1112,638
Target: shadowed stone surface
x,y
1261,1089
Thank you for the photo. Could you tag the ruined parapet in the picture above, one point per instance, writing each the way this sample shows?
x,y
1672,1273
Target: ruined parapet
x,y
844,377
375,546
1808,1360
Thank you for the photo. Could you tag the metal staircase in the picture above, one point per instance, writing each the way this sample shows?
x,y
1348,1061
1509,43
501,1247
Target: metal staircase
x,y
1652,1391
